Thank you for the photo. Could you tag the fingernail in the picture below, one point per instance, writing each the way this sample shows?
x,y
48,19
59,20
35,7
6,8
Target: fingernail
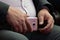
x,y
41,23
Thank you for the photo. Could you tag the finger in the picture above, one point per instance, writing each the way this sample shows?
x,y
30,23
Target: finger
x,y
19,26
43,30
50,28
50,21
13,24
15,27
20,29
22,22
47,27
41,20
29,26
48,24
24,27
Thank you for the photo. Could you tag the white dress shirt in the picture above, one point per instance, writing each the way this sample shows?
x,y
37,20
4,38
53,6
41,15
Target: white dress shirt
x,y
23,5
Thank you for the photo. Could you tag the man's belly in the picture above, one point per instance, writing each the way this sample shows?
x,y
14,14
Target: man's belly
x,y
25,6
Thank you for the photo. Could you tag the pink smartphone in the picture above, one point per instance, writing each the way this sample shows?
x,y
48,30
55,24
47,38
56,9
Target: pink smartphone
x,y
33,22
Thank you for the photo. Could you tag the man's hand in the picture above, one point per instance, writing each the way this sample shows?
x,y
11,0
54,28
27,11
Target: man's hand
x,y
18,20
45,15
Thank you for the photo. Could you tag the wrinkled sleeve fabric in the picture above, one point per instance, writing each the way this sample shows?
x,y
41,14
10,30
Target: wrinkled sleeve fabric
x,y
40,4
3,12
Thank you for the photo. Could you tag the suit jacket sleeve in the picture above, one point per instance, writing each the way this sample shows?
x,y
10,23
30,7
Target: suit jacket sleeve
x,y
39,4
3,11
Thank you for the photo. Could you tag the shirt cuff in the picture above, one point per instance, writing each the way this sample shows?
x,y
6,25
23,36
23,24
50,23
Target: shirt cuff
x,y
44,7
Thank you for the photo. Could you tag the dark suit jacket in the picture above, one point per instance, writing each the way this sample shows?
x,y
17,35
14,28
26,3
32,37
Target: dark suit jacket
x,y
39,4
56,4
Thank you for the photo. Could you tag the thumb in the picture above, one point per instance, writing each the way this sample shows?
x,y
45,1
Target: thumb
x,y
41,20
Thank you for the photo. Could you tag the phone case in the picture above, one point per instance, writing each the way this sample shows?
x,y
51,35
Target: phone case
x,y
33,22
